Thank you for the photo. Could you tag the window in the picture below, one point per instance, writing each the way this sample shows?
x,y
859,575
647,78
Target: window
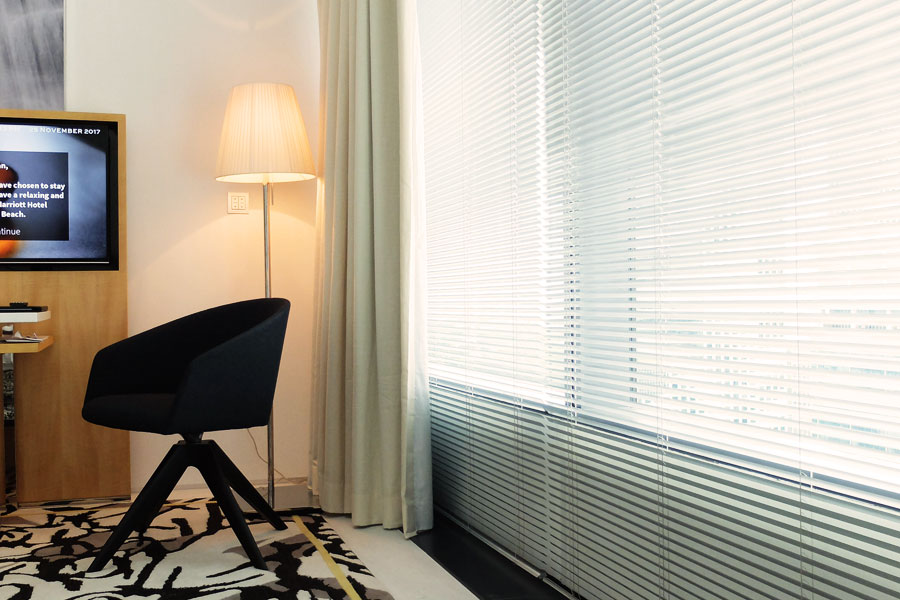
x,y
673,224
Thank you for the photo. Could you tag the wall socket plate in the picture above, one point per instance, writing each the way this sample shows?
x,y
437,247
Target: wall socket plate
x,y
238,203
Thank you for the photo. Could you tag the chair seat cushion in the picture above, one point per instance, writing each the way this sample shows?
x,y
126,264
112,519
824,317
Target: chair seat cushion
x,y
135,412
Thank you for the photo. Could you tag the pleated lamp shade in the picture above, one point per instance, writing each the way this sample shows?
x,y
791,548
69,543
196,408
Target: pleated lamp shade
x,y
263,137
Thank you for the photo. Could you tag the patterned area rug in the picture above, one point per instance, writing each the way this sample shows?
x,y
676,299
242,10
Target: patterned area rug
x,y
188,552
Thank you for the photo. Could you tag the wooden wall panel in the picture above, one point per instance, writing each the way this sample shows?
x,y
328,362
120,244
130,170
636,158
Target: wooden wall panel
x,y
58,454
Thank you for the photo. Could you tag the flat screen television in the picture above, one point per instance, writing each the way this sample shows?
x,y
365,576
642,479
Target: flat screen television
x,y
59,190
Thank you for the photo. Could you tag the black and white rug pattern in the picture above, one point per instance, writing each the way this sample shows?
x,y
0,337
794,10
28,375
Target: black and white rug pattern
x,y
189,552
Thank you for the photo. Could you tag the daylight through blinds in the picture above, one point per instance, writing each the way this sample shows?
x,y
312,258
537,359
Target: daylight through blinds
x,y
664,285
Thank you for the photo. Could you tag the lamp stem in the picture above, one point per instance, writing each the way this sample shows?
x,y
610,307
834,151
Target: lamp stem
x,y
266,236
270,429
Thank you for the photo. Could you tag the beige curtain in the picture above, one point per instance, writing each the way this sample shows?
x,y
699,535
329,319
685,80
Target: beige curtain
x,y
370,449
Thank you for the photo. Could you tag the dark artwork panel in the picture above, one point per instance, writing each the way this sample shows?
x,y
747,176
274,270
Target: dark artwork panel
x,y
31,54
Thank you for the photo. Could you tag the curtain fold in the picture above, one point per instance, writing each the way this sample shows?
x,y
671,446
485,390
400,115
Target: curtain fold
x,y
370,450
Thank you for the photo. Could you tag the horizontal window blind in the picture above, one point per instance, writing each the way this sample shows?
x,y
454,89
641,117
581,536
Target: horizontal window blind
x,y
664,264
495,301
731,533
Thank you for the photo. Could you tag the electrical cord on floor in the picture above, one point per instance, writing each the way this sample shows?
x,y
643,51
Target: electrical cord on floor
x,y
281,476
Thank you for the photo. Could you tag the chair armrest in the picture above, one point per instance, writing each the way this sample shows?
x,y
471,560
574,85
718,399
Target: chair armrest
x,y
233,384
125,367
153,361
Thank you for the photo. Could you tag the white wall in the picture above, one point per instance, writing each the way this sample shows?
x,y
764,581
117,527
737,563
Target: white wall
x,y
168,66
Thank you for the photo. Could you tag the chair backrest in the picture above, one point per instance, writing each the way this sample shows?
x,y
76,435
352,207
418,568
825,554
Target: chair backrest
x,y
219,365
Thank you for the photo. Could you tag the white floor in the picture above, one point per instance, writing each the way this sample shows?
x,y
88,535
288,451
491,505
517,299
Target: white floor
x,y
406,572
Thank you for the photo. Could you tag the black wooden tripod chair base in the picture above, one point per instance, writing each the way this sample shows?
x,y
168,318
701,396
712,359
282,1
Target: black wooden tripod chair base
x,y
214,370
220,475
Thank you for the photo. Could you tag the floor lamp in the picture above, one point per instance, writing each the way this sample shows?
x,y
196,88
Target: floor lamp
x,y
264,141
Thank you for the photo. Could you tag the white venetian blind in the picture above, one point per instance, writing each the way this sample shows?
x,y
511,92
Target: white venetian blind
x,y
763,268
664,291
692,288
497,246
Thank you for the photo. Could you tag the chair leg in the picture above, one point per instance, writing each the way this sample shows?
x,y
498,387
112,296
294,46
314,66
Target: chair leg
x,y
157,502
158,486
245,489
206,462
152,512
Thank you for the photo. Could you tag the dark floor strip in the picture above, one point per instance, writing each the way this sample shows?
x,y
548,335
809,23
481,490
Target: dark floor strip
x,y
485,572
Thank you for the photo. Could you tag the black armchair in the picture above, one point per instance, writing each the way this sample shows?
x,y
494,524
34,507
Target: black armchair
x,y
210,371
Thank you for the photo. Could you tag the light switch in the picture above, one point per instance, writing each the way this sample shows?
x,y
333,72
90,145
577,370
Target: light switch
x,y
239,203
